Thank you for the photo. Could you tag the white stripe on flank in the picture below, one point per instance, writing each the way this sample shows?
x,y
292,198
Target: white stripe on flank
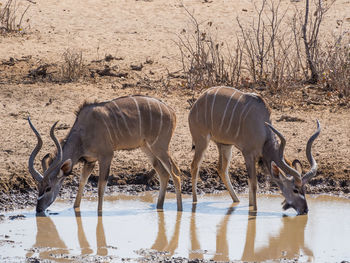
x,y
212,107
124,119
240,117
169,126
197,112
150,114
246,115
139,113
205,107
228,102
206,102
233,113
109,132
116,130
160,103
160,123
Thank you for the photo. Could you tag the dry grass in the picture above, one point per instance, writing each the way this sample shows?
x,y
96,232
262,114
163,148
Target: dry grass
x,y
336,70
72,66
273,50
203,58
12,16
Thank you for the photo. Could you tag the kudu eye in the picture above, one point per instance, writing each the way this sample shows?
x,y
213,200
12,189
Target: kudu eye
x,y
48,189
295,191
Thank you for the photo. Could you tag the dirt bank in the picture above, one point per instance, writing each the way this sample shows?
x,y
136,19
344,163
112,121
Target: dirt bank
x,y
47,102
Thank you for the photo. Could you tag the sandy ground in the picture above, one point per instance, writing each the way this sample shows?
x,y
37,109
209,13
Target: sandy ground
x,y
136,32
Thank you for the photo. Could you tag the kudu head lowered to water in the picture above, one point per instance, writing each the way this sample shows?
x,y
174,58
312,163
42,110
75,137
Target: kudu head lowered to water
x,y
290,181
100,129
49,183
230,117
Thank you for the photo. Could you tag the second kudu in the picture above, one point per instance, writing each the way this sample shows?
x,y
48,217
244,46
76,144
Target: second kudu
x,y
101,128
230,117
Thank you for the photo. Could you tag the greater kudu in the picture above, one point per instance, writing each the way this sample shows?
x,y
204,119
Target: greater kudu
x,y
230,117
101,128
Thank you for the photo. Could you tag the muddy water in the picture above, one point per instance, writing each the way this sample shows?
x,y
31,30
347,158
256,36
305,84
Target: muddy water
x,y
215,229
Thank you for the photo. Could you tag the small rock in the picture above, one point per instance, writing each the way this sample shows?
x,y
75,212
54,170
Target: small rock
x,y
149,61
17,217
121,182
287,118
136,67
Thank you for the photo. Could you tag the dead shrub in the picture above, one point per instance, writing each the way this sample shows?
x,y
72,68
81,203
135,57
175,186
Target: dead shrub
x,y
12,15
267,46
336,70
273,50
72,66
203,58
308,26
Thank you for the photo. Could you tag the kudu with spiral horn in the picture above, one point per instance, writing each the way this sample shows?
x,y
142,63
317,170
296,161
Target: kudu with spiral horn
x,y
296,198
48,185
125,123
230,118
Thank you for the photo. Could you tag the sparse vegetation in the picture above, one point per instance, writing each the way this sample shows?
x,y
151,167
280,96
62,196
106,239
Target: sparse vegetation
x,y
12,16
203,59
271,50
72,66
266,46
336,71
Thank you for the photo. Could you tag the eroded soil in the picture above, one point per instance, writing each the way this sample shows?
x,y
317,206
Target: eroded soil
x,y
48,102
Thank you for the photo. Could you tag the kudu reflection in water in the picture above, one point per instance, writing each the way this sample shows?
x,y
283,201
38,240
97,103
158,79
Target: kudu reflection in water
x,y
100,237
84,244
47,237
222,248
287,244
161,243
195,251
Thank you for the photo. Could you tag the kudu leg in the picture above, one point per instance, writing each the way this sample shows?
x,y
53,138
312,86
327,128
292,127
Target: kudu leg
x,y
163,181
225,154
162,174
104,167
201,144
87,169
176,176
252,180
172,169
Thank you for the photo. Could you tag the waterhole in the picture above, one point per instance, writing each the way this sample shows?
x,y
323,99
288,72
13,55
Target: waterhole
x,y
131,228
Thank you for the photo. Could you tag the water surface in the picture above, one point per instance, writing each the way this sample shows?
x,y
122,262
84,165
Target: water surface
x,y
131,227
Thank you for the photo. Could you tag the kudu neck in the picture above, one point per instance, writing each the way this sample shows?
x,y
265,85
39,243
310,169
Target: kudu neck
x,y
271,152
71,147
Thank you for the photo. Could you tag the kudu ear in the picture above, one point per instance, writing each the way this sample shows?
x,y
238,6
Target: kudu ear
x,y
66,167
297,166
275,171
46,161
